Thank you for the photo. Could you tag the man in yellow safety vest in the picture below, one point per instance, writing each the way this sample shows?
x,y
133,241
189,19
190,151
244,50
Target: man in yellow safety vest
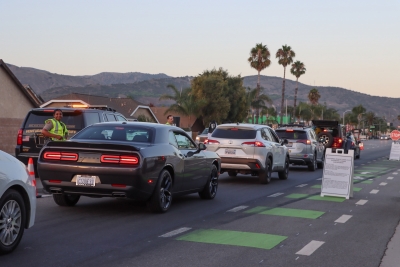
x,y
54,128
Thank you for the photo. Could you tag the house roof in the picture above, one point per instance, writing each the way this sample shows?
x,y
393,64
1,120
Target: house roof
x,y
185,122
26,90
125,106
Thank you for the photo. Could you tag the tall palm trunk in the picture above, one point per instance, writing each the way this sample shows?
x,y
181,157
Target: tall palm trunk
x,y
257,95
283,93
295,97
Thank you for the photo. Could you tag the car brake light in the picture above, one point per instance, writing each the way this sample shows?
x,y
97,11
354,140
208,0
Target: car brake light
x,y
19,137
289,130
305,141
54,155
133,160
210,141
337,142
255,144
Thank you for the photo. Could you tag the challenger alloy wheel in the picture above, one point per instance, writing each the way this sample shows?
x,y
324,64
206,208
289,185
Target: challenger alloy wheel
x,y
211,187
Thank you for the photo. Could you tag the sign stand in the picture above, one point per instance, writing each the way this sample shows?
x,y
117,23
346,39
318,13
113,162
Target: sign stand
x,y
395,151
337,179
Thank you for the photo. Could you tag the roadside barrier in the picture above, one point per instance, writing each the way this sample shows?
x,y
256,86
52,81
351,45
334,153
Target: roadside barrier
x,y
31,173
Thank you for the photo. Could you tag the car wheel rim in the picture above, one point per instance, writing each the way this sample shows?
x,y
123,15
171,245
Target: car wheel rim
x,y
10,222
165,191
213,187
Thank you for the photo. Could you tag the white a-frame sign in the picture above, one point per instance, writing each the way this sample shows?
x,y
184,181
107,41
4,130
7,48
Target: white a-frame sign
x,y
337,179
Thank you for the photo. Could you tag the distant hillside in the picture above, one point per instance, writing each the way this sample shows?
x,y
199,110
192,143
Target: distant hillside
x,y
41,80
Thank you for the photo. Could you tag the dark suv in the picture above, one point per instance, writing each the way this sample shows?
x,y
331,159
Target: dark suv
x,y
30,139
330,133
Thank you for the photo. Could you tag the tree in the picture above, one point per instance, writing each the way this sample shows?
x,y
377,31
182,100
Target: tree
x,y
259,60
298,69
358,111
285,57
314,96
255,102
236,94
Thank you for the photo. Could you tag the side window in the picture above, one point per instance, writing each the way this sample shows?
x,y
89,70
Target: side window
x,y
91,118
172,139
274,137
312,135
110,117
184,142
120,118
265,134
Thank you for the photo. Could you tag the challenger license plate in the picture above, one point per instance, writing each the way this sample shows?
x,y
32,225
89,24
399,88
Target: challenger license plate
x,y
84,180
230,151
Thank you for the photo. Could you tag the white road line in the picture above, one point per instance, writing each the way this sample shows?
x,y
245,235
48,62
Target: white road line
x,y
176,232
319,179
361,202
374,191
344,218
383,184
390,178
365,172
309,249
395,173
238,208
398,170
357,178
275,195
301,185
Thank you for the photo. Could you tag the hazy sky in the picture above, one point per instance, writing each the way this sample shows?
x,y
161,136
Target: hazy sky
x,y
349,44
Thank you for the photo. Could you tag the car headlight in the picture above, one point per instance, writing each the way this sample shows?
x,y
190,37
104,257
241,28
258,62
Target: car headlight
x,y
197,138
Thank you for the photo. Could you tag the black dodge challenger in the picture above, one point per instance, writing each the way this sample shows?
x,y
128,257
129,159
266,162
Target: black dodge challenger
x,y
142,161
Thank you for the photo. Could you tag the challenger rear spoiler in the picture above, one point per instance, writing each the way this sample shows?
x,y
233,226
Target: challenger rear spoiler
x,y
94,145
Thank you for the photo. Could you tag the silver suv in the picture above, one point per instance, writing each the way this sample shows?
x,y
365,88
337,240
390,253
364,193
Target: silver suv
x,y
304,147
250,149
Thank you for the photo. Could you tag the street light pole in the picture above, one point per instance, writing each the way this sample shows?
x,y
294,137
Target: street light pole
x,y
345,113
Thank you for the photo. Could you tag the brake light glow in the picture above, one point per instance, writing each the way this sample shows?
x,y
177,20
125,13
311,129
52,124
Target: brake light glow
x,y
210,141
305,141
234,129
289,130
19,137
337,142
48,110
133,160
255,144
55,155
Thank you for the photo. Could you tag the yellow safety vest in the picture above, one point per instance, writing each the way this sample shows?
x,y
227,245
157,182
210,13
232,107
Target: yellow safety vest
x,y
59,128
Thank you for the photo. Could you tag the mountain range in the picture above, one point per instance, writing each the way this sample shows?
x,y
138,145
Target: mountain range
x,y
147,88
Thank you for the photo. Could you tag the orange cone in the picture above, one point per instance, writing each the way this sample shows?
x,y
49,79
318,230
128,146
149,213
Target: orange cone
x,y
31,173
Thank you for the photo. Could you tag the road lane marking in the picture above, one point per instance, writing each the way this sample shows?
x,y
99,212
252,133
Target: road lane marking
x,y
309,249
390,178
238,208
357,178
365,172
297,195
383,184
275,195
298,213
395,173
344,218
361,202
176,232
319,179
327,198
302,185
374,191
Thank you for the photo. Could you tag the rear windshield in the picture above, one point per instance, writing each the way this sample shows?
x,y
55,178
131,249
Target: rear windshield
x,y
234,133
117,133
283,134
37,120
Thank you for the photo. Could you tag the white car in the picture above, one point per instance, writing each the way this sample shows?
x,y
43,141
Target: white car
x,y
17,202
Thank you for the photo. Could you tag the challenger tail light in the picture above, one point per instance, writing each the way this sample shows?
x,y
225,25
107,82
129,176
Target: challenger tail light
x,y
54,155
255,144
19,137
210,141
133,160
305,141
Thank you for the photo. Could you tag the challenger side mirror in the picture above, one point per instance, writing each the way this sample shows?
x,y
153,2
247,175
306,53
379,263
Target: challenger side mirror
x,y
202,146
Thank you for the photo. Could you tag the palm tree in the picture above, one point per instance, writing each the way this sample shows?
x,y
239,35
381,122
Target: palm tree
x,y
259,60
256,102
314,96
298,69
285,56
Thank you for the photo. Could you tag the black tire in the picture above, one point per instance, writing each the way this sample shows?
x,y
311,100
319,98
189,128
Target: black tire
x,y
265,176
283,175
312,166
320,165
161,199
232,173
359,154
211,187
327,139
12,220
66,200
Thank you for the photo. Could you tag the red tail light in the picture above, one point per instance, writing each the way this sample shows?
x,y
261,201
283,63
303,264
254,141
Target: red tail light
x,y
289,130
117,159
305,141
19,137
210,141
54,155
255,144
337,142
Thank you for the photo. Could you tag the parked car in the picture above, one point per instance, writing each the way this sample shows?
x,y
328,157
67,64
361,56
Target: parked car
x,y
304,146
330,133
250,149
17,202
136,160
30,139
202,136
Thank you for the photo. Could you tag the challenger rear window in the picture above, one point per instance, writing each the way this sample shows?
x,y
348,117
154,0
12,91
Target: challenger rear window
x,y
234,133
283,134
116,133
37,120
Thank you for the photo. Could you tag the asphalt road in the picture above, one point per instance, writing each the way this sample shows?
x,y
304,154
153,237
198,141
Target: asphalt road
x,y
247,224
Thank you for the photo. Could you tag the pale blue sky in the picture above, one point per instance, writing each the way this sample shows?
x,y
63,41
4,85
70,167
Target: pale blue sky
x,y
349,44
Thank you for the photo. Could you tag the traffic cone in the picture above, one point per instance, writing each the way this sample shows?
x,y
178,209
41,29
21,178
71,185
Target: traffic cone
x,y
31,173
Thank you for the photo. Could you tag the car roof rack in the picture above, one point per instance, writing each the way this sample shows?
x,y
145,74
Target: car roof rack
x,y
294,125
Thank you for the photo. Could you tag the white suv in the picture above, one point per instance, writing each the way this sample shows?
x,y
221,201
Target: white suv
x,y
250,149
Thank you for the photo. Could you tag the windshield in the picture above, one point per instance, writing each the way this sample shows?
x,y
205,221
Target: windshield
x,y
205,131
283,134
234,133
